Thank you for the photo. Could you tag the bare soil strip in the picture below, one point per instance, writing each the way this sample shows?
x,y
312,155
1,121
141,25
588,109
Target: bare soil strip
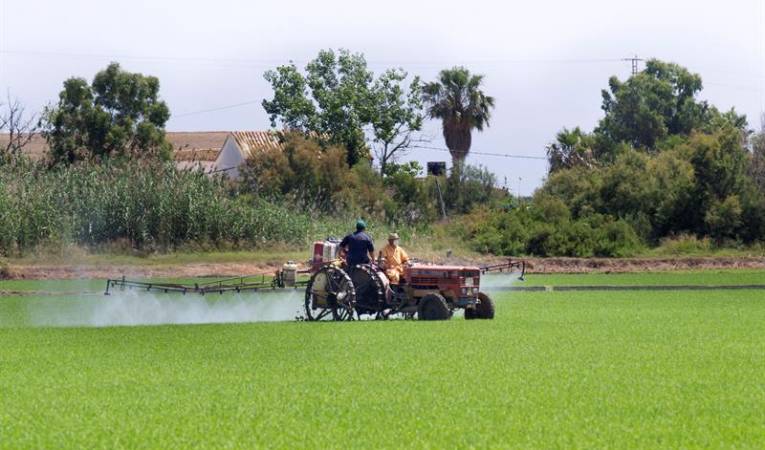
x,y
533,265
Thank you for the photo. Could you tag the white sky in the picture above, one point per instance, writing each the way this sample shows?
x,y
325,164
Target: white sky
x,y
545,62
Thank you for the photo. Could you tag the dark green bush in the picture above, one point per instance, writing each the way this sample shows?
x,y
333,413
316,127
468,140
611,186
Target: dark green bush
x,y
470,187
545,229
616,238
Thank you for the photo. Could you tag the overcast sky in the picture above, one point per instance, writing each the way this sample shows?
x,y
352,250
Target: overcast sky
x,y
545,62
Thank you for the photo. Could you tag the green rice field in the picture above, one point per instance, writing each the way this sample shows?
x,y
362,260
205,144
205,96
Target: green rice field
x,y
588,369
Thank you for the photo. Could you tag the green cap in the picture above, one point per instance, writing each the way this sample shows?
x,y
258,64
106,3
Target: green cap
x,y
361,225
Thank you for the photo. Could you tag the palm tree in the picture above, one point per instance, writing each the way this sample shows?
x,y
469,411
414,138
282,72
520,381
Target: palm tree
x,y
571,148
456,99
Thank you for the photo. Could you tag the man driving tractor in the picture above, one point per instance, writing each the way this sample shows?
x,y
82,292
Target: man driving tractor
x,y
357,247
394,259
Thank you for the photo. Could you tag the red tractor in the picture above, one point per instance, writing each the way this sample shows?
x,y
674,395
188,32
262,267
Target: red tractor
x,y
432,292
337,292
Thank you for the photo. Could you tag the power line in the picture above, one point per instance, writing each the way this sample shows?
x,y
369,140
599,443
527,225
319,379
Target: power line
x,y
220,108
257,102
160,58
264,62
501,155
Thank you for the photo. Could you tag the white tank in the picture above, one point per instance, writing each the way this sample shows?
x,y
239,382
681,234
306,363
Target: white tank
x,y
289,273
330,251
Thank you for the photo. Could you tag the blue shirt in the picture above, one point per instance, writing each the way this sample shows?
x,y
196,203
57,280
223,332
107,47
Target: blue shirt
x,y
358,245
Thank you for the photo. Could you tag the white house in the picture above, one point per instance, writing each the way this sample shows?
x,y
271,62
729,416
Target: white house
x,y
240,145
211,151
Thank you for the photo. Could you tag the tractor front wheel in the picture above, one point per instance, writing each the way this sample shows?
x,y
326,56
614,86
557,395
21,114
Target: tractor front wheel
x,y
484,309
433,307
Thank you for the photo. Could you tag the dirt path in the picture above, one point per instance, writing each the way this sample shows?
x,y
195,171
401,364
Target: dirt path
x,y
534,265
63,272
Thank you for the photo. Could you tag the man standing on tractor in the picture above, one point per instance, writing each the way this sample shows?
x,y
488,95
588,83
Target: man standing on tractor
x,y
395,258
357,248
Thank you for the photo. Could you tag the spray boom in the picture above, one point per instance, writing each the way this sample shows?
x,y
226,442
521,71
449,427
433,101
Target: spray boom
x,y
509,266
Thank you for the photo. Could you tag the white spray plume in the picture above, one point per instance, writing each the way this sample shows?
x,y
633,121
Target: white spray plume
x,y
136,307
492,283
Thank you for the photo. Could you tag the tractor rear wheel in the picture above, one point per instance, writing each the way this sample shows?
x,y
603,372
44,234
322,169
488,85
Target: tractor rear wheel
x,y
329,295
484,309
433,307
371,287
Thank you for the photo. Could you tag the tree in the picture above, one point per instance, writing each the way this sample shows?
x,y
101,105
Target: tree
x,y
339,102
397,116
120,113
457,100
757,164
571,148
19,127
656,103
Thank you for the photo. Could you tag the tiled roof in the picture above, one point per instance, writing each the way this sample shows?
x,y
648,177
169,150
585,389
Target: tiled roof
x,y
181,141
196,140
252,141
189,145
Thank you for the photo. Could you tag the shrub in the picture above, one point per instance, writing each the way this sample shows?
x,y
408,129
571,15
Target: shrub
x,y
616,239
413,199
310,176
684,244
544,229
470,187
304,173
723,218
5,270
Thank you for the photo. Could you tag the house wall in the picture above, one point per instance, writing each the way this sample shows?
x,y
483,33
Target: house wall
x,y
229,156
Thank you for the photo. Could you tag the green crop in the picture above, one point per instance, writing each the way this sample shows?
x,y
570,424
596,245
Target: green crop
x,y
699,277
554,370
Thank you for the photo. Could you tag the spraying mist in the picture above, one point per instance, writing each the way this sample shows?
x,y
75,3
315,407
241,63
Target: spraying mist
x,y
137,307
494,283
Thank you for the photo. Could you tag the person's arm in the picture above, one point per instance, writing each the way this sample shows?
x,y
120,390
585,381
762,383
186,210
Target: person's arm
x,y
404,256
371,249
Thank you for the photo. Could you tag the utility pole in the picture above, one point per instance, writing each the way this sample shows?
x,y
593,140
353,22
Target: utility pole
x,y
634,60
440,199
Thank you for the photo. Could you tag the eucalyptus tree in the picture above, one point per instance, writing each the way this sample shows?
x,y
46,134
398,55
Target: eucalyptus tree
x,y
119,113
